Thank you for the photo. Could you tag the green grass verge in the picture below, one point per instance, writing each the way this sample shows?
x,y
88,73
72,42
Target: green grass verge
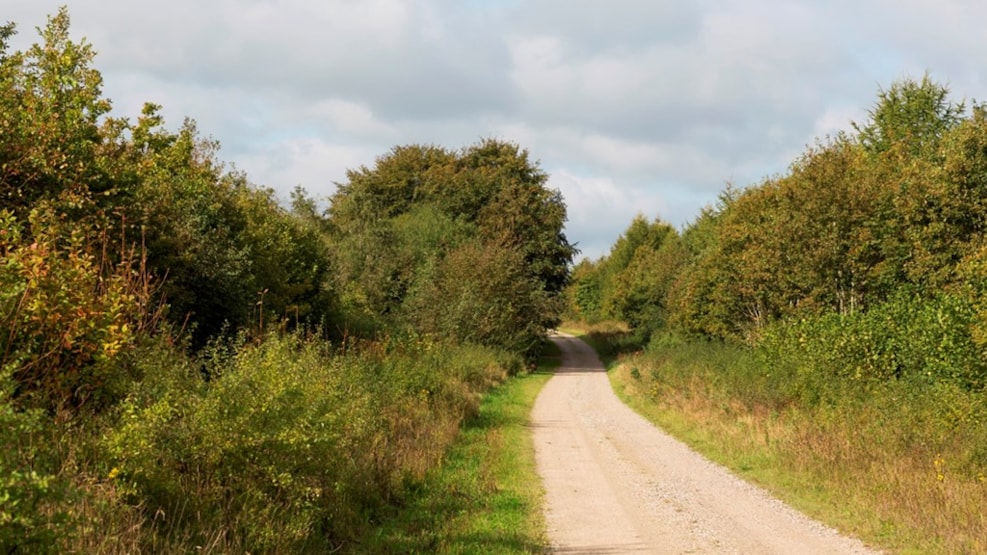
x,y
486,497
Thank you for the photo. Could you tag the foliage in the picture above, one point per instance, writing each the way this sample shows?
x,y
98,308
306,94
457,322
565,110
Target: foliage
x,y
167,380
67,314
292,446
447,240
689,304
289,260
855,220
220,243
910,114
481,294
34,501
584,294
619,286
50,107
232,255
640,291
920,341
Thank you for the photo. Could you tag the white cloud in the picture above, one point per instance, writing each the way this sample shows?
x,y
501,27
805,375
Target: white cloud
x,y
315,164
599,208
632,105
537,66
835,120
624,155
351,118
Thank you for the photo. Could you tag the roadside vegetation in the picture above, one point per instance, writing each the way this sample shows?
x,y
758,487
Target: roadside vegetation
x,y
487,496
823,332
187,365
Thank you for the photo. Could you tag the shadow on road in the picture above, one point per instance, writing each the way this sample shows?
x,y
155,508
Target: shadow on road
x,y
577,356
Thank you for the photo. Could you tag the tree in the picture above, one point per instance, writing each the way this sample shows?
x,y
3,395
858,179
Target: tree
x,y
640,239
911,116
50,107
396,222
482,293
640,295
584,293
403,177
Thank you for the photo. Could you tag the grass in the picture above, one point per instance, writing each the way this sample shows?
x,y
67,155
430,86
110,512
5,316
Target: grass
x,y
877,468
486,497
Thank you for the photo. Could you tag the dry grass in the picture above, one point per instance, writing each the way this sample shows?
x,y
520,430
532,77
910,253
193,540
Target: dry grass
x,y
486,496
865,468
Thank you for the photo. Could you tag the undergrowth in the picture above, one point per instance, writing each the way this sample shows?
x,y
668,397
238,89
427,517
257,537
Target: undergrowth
x,y
486,495
282,445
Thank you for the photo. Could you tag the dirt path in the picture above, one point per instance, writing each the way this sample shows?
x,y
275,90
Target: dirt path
x,y
617,484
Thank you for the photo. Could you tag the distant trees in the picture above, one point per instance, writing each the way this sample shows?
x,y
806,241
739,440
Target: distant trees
x,y
632,282
892,214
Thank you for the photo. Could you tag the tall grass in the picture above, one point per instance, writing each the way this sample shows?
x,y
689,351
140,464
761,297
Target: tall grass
x,y
900,463
486,496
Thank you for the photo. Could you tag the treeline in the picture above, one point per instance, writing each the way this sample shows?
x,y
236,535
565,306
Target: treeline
x,y
888,219
189,365
830,321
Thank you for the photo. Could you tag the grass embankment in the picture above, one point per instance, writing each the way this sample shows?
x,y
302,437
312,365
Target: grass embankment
x,y
486,496
898,465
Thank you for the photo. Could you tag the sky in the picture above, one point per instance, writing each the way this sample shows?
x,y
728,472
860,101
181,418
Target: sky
x,y
633,107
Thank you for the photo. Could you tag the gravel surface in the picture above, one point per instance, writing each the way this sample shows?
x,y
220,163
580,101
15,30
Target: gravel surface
x,y
616,484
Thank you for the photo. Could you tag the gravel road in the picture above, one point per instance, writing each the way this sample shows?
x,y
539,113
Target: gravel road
x,y
616,484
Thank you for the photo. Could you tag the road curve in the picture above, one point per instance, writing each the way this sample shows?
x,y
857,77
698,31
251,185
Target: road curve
x,y
616,484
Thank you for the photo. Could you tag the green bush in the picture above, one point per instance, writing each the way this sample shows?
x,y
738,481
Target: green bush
x,y
293,445
482,294
34,512
907,338
67,312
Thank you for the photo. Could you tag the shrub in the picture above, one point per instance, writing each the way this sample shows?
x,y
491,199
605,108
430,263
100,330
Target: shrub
x,y
34,513
67,312
292,445
908,338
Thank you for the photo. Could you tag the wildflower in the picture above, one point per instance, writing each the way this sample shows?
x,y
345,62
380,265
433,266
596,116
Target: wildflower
x,y
939,463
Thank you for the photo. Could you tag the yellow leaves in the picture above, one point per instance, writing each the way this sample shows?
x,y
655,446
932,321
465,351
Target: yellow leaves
x,y
111,348
67,312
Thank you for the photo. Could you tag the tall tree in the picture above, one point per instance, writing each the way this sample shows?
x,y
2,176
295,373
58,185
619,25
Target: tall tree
x,y
396,223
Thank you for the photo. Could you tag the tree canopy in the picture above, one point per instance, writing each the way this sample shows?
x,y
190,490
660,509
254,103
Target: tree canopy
x,y
889,220
412,231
